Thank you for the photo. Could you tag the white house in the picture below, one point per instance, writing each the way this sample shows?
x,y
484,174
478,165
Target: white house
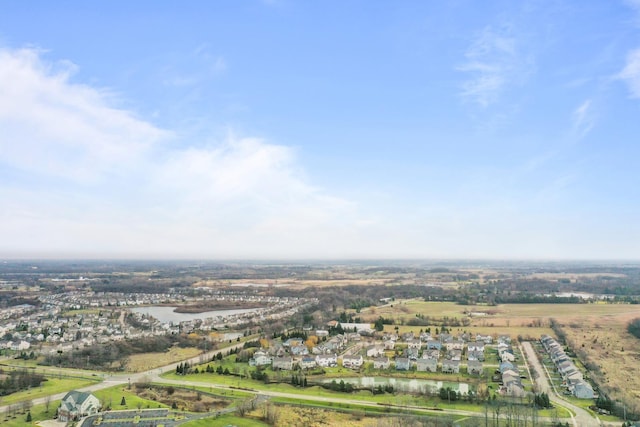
x,y
352,362
327,360
381,363
375,351
77,404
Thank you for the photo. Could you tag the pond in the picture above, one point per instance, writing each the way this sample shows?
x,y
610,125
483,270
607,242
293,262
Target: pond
x,y
407,385
167,314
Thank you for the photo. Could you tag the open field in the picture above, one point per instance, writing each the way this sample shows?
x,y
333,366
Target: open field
x,y
225,420
315,417
499,315
146,361
612,351
49,387
572,276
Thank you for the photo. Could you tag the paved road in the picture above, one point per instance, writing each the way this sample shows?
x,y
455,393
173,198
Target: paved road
x,y
122,379
582,418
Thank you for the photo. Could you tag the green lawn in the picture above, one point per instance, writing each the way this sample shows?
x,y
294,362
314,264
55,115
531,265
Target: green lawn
x,y
38,413
112,397
49,387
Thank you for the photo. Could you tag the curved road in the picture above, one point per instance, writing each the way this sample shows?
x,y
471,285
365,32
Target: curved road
x,y
582,418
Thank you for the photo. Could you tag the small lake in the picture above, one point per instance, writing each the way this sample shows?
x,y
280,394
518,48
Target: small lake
x,y
409,385
167,314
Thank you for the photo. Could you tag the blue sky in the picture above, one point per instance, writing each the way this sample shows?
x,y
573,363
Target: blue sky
x,y
282,129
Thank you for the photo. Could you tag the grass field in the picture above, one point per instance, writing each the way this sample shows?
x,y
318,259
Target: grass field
x,y
38,413
146,361
49,387
112,397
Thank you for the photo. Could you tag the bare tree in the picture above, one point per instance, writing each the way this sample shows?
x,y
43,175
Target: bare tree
x,y
47,403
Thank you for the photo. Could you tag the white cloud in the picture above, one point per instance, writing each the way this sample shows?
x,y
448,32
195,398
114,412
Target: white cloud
x,y
55,128
494,63
631,73
82,176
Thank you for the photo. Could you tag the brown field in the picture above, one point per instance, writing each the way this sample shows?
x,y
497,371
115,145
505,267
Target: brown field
x,y
146,361
604,340
512,331
572,276
299,416
505,315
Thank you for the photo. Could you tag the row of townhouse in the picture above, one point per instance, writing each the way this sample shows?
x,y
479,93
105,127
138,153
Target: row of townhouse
x,y
571,375
508,370
441,342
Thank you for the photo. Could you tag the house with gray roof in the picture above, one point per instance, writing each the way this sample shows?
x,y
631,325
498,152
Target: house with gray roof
x,y
76,405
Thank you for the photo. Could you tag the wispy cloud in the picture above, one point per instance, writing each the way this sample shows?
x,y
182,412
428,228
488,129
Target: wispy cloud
x,y
493,62
631,73
195,67
583,119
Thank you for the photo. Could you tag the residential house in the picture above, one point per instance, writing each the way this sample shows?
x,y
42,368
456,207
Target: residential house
x,y
475,355
375,351
450,366
352,362
427,365
583,390
454,344
454,354
414,343
475,346
505,366
412,353
431,354
511,383
434,345
381,363
77,404
403,364
389,344
474,367
327,360
487,339
299,350
308,362
285,363
408,336
260,359
292,342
